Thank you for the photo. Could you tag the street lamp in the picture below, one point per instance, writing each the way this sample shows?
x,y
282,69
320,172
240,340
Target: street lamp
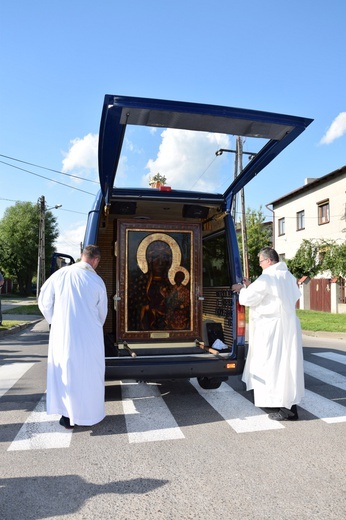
x,y
41,261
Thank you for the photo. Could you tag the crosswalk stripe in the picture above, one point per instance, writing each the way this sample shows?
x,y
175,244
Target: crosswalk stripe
x,y
325,409
148,418
325,375
41,431
146,414
333,356
9,375
237,411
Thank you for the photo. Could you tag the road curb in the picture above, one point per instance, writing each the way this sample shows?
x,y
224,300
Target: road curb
x,y
18,328
324,334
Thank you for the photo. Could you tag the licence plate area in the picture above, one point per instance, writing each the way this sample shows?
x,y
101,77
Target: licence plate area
x,y
153,368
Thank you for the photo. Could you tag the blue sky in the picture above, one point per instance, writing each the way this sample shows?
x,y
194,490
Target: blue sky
x,y
59,58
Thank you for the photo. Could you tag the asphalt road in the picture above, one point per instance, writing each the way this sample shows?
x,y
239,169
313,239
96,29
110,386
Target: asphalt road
x,y
171,450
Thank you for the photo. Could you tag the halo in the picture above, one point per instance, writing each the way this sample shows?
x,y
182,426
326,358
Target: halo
x,y
176,255
172,272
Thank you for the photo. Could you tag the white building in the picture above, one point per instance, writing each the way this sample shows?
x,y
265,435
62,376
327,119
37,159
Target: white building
x,y
316,211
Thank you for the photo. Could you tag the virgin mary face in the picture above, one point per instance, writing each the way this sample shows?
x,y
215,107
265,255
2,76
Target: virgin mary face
x,y
159,256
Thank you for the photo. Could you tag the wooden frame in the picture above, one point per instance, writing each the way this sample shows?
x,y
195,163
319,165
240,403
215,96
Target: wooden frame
x,y
158,281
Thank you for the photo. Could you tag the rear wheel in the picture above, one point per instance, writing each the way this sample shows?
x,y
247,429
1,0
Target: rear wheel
x,y
209,383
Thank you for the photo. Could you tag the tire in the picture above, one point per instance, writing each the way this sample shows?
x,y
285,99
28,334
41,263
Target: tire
x,y
209,383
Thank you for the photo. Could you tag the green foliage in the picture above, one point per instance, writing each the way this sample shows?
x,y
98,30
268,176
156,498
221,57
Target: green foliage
x,y
19,230
317,256
321,321
334,259
306,260
258,236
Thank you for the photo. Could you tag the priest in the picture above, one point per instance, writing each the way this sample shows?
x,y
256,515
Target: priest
x,y
74,302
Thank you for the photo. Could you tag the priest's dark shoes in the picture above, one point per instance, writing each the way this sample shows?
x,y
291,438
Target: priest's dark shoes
x,y
284,415
65,422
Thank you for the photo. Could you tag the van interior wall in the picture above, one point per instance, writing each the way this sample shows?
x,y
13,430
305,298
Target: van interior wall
x,y
106,268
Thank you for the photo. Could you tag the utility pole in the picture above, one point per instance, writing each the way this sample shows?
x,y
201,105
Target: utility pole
x,y
239,148
238,167
236,170
41,261
41,257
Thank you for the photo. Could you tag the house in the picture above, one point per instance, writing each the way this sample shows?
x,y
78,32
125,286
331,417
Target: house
x,y
314,211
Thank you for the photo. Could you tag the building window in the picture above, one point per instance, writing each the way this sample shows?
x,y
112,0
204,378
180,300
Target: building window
x,y
323,212
281,226
300,220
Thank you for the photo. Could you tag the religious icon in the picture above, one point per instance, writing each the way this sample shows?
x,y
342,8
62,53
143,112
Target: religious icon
x,y
159,281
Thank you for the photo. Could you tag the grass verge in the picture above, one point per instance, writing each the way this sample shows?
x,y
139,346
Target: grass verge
x,y
8,324
322,321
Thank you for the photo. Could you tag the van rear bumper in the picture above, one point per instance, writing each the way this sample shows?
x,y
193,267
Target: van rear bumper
x,y
146,369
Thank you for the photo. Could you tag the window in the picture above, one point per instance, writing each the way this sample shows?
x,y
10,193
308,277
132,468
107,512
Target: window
x,y
215,262
300,220
323,212
281,226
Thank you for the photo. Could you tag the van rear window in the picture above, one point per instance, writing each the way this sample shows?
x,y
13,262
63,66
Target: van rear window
x,y
215,262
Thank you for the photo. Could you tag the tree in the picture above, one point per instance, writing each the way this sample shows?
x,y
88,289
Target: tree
x,y
334,259
306,261
19,229
258,236
318,256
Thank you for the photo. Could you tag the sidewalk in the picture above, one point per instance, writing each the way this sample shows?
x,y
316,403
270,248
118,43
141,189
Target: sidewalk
x,y
323,334
13,302
7,304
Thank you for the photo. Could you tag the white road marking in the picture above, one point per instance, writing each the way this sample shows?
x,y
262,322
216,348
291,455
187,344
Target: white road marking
x,y
149,419
41,431
325,409
325,375
9,375
147,416
333,356
237,411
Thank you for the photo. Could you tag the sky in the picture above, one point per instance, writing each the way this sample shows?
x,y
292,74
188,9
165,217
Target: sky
x,y
59,58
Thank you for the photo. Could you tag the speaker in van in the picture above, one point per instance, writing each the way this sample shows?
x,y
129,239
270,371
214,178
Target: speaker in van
x,y
194,211
123,208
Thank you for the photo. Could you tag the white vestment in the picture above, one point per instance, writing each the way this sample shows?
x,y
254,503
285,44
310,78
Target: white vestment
x,y
74,302
274,365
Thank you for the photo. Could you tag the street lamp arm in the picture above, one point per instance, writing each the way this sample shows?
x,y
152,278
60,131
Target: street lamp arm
x,y
57,206
220,152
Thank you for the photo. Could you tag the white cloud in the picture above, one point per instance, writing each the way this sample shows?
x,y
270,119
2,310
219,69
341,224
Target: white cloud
x,y
69,241
337,129
187,160
82,155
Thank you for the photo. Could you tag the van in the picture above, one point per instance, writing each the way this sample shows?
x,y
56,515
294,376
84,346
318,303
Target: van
x,y
170,254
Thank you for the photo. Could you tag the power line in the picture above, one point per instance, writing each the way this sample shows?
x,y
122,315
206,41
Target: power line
x,y
49,169
61,209
73,211
47,178
207,168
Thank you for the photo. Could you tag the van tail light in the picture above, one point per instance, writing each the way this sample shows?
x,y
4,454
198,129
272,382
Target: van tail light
x,y
241,320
